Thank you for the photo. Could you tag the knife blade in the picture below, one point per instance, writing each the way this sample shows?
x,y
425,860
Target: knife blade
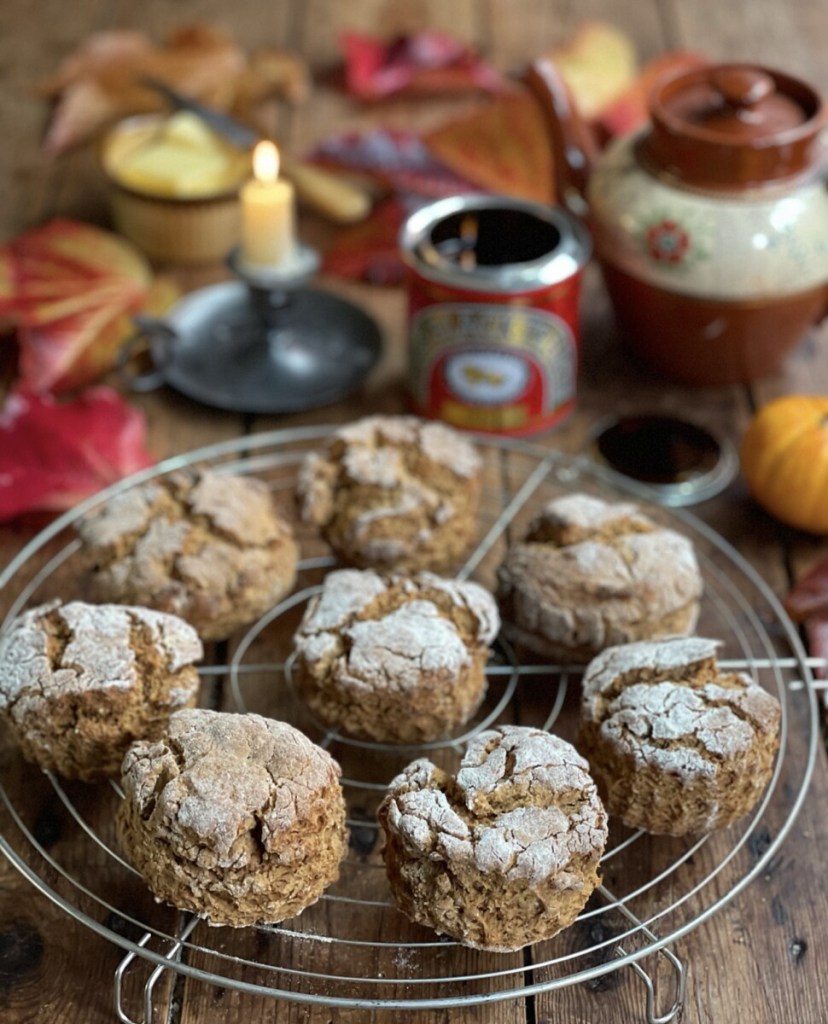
x,y
334,197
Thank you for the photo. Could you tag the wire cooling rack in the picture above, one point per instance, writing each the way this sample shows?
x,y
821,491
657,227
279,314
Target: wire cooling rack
x,y
353,949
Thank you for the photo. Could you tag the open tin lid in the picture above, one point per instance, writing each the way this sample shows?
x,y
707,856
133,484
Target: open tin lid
x,y
679,463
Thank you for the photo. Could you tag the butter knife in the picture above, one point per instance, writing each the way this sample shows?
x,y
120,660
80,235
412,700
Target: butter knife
x,y
334,197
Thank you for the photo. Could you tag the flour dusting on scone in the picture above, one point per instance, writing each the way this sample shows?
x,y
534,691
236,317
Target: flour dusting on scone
x,y
395,658
79,682
676,745
591,574
208,546
504,853
394,493
238,818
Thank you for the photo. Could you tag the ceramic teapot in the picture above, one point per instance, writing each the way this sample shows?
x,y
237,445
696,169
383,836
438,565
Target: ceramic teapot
x,y
711,225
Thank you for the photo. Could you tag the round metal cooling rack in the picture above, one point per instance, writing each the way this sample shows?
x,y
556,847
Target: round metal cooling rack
x,y
353,949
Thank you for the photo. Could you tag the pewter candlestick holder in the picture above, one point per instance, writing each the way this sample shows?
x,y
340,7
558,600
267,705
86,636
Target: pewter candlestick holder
x,y
262,343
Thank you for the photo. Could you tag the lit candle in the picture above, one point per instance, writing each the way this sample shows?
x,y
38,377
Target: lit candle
x,y
268,211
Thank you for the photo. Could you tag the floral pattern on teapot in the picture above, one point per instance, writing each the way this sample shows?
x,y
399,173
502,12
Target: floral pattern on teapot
x,y
756,244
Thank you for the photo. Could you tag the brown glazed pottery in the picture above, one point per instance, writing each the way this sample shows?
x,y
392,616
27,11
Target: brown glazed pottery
x,y
711,225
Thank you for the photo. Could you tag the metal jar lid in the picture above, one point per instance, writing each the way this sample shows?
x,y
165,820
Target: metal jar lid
x,y
671,461
519,245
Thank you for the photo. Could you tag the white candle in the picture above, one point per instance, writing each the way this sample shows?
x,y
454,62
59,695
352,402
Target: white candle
x,y
268,211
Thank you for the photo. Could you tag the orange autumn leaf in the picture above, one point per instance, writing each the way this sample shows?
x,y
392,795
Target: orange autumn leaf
x,y
96,360
71,291
502,147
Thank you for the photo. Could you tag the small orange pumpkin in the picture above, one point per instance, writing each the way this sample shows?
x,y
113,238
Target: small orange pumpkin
x,y
784,457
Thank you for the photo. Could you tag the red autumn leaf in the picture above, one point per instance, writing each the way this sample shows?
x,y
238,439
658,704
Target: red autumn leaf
x,y
370,251
71,290
425,62
53,454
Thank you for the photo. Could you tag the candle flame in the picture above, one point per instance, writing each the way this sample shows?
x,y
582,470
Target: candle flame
x,y
469,229
265,162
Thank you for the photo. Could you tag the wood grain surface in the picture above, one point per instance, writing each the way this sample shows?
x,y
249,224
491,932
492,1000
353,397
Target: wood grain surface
x,y
758,959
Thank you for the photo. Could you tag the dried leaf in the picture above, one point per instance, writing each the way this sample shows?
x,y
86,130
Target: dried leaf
x,y
502,147
397,160
816,630
70,290
423,62
54,454
101,81
809,596
597,63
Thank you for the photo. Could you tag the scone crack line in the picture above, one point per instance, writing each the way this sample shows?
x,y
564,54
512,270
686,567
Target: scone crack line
x,y
682,723
112,523
527,841
400,647
413,435
171,517
411,498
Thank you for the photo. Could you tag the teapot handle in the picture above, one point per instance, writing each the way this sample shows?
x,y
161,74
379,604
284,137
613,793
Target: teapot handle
x,y
574,145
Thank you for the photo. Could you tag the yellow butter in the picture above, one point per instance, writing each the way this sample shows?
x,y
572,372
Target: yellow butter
x,y
189,129
184,160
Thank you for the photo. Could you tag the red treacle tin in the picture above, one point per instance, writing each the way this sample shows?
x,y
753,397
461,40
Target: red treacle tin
x,y
494,288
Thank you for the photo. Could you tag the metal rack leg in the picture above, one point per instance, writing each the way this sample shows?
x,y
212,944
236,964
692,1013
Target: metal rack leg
x,y
173,956
673,1012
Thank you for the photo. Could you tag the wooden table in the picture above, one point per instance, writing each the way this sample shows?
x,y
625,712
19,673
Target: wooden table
x,y
758,958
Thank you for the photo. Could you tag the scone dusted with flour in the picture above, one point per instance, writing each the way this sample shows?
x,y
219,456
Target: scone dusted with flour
x,y
676,745
238,818
80,682
394,493
394,658
590,574
504,853
208,546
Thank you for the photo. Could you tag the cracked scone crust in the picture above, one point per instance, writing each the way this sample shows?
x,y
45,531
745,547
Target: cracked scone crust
x,y
209,547
503,854
591,574
238,818
394,492
80,682
393,658
676,745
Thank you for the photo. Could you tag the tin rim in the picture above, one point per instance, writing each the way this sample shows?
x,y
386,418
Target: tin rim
x,y
568,257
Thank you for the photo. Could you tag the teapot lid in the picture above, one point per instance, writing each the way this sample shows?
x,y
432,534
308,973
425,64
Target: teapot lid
x,y
733,126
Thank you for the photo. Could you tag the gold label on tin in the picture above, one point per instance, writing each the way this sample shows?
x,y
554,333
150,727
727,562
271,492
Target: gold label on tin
x,y
479,354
